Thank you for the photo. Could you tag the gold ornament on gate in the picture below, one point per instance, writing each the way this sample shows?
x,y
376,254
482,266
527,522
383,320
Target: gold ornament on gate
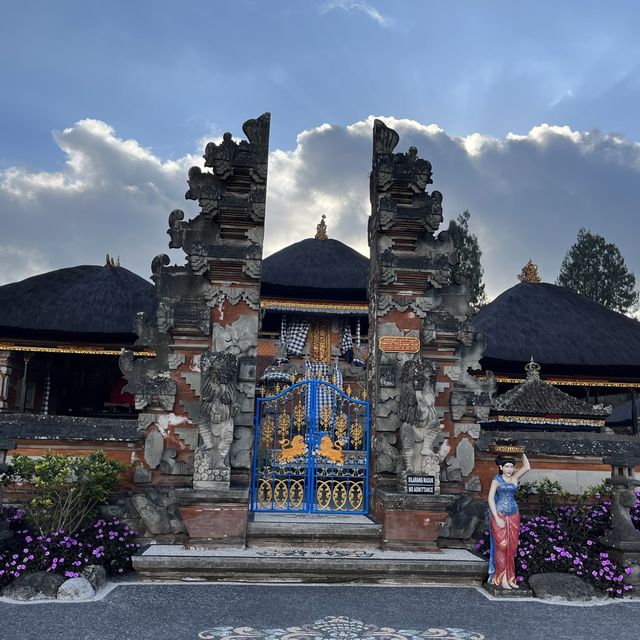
x,y
323,495
299,417
330,450
325,417
339,495
268,429
355,496
357,432
283,426
292,449
341,426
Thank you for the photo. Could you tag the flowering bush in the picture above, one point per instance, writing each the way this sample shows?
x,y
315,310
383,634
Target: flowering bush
x,y
63,491
567,541
109,543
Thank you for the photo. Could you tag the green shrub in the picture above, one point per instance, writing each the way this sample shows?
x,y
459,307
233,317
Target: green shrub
x,y
63,491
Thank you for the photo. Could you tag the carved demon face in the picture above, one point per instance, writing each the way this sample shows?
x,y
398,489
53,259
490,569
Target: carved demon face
x,y
417,373
220,367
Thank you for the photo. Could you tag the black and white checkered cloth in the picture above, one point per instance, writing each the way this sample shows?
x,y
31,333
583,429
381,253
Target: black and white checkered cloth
x,y
347,342
296,336
325,395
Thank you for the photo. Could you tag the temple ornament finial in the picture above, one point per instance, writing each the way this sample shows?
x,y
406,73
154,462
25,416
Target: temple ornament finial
x,y
533,370
530,273
321,229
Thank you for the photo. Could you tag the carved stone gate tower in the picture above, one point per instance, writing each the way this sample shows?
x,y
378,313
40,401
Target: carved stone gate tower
x,y
196,396
425,405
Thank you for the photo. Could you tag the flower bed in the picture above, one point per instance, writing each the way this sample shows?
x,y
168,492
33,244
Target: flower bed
x,y
567,540
109,543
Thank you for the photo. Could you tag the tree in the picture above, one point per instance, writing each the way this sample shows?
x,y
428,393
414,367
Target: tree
x,y
596,269
469,254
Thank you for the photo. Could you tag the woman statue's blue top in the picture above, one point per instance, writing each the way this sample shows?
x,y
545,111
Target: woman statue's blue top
x,y
505,497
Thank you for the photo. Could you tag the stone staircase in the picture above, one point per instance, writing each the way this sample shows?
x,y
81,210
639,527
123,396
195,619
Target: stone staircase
x,y
310,548
316,530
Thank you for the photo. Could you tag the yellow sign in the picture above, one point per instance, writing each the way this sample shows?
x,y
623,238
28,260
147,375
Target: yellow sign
x,y
399,344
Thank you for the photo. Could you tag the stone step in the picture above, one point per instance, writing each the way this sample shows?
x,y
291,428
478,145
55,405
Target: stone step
x,y
313,529
268,564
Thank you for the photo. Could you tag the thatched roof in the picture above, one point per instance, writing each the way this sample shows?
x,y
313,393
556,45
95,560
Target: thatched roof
x,y
557,327
316,269
86,299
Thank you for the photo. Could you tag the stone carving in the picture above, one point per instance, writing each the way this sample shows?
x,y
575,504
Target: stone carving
x,y
174,466
153,448
387,455
218,407
158,511
149,388
623,532
420,425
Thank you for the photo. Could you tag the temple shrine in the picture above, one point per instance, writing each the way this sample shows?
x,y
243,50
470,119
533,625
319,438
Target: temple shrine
x,y
314,381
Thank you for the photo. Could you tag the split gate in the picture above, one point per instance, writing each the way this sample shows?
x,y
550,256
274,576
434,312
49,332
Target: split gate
x,y
311,451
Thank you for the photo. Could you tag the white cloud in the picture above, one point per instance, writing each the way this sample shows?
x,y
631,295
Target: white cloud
x,y
357,5
528,195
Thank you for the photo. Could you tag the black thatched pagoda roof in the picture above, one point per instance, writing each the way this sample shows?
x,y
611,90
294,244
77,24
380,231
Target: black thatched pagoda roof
x,y
561,329
87,300
316,269
534,397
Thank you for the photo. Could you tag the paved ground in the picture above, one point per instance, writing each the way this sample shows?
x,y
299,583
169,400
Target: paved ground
x,y
232,612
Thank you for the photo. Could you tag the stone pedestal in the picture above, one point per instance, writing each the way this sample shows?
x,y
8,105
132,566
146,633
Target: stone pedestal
x,y
215,517
410,522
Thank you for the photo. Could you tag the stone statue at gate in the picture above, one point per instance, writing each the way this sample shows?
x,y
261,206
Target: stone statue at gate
x,y
420,426
217,410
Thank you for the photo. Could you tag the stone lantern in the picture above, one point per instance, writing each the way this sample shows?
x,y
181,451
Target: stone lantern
x,y
5,445
623,539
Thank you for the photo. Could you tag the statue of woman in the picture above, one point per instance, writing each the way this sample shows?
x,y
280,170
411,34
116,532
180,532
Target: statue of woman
x,y
504,523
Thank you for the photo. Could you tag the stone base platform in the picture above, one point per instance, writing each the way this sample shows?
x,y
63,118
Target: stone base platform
x,y
315,530
497,592
296,564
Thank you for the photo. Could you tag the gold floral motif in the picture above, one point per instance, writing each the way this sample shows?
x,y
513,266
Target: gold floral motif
x,y
341,426
357,432
283,426
296,494
339,495
268,429
355,496
323,495
299,417
325,417
265,493
280,494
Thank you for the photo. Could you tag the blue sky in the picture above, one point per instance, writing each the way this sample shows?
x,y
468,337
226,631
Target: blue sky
x,y
106,104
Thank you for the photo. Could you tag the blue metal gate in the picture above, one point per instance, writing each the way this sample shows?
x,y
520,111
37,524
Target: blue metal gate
x,y
311,451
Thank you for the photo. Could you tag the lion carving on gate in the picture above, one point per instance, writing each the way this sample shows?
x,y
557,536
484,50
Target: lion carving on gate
x,y
330,450
292,449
